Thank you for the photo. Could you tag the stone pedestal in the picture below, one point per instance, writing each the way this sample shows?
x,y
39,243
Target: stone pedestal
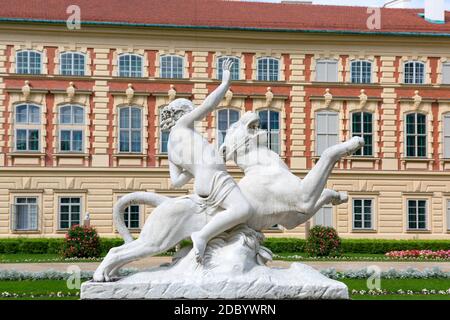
x,y
298,282
233,268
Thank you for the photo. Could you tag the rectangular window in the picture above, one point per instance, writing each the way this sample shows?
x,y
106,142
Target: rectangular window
x,y
361,71
416,135
130,133
71,140
327,71
234,69
362,126
270,122
362,214
268,69
172,67
131,216
28,62
448,215
25,214
72,64
130,65
327,130
446,73
324,217
446,122
69,212
414,72
27,140
417,214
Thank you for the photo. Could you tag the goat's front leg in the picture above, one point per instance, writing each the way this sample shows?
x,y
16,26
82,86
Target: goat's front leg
x,y
314,182
327,196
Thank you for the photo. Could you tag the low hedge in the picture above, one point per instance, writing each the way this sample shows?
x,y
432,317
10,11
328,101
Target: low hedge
x,y
276,245
48,245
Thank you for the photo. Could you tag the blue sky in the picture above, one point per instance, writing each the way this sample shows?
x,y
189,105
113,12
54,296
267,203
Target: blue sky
x,y
366,3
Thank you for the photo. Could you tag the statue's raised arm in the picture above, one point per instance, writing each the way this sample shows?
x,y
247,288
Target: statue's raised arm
x,y
212,101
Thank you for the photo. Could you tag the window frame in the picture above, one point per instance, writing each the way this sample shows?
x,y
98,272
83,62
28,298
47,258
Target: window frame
x,y
408,228
41,63
80,204
447,214
130,71
327,112
415,135
363,213
266,77
218,131
171,73
161,132
237,65
446,134
130,129
72,126
269,130
327,62
446,66
129,215
14,212
414,76
360,77
72,69
361,151
27,126
328,206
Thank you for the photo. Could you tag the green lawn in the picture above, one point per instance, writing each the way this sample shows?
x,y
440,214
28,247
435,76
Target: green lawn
x,y
287,256
302,256
36,258
37,289
41,289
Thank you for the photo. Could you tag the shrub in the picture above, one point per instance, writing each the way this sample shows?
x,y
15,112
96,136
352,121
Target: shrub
x,y
81,242
281,245
323,241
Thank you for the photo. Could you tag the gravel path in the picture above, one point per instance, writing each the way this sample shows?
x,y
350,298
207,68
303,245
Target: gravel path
x,y
156,261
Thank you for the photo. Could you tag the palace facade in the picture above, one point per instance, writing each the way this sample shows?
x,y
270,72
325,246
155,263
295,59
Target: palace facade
x,y
80,109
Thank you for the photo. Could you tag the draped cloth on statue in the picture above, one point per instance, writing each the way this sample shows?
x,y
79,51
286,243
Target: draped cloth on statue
x,y
221,186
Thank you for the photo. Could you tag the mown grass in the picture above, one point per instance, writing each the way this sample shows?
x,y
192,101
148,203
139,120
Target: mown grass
x,y
37,258
348,256
38,289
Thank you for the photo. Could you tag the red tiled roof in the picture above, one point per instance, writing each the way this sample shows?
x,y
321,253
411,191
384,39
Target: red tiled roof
x,y
224,14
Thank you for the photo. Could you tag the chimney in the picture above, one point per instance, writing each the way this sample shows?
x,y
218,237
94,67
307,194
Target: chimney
x,y
435,11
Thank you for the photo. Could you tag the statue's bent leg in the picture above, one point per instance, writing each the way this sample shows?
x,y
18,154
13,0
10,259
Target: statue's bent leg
x,y
237,211
314,182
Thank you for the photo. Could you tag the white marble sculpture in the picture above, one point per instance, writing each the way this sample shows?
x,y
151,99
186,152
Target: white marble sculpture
x,y
268,194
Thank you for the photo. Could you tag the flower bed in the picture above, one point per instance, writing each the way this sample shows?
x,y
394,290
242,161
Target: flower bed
x,y
380,292
424,254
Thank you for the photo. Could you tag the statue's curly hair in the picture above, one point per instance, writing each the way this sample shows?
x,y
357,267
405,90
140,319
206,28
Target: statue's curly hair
x,y
171,113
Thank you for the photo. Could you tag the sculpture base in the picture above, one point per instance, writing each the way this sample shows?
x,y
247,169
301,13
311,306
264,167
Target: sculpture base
x,y
298,282
233,268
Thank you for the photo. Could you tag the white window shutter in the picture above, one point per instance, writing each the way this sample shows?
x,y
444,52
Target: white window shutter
x,y
321,71
332,71
322,142
332,129
319,217
446,73
447,136
328,216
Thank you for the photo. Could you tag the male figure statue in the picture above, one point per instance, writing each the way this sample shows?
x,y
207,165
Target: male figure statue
x,y
191,156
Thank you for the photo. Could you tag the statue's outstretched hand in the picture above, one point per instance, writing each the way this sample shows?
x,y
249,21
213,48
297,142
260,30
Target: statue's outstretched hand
x,y
226,68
